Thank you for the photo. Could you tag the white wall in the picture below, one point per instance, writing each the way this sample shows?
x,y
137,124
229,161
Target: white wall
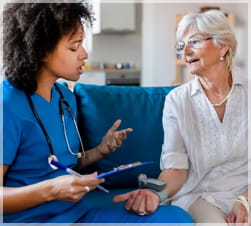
x,y
158,38
119,48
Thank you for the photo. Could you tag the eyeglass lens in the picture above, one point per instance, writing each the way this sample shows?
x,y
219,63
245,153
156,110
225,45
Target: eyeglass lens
x,y
192,43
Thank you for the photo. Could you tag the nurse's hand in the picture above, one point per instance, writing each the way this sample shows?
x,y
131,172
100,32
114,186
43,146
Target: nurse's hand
x,y
113,139
72,188
141,202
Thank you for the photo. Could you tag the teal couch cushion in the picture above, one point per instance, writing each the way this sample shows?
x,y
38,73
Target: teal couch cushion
x,y
139,108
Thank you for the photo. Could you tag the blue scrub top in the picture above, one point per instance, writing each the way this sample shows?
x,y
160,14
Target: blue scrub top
x,y
26,150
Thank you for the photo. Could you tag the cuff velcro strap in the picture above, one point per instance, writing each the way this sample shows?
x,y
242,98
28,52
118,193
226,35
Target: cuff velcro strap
x,y
155,185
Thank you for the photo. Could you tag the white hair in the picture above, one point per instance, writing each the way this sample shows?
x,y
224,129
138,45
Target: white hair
x,y
213,23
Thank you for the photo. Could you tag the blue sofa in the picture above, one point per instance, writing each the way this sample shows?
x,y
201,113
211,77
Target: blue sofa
x,y
139,108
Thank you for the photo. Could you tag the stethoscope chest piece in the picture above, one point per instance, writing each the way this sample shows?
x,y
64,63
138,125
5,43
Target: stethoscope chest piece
x,y
80,155
50,158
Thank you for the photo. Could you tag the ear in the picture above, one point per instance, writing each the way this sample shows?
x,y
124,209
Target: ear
x,y
223,50
45,59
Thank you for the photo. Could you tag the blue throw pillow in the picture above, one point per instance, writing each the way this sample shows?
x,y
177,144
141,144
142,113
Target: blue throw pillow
x,y
139,108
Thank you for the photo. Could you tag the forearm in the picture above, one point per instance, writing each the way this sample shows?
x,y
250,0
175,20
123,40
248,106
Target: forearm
x,y
110,142
21,198
175,179
91,156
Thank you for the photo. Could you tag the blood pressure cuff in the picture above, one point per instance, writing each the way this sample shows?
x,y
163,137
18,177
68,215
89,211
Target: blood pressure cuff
x,y
155,185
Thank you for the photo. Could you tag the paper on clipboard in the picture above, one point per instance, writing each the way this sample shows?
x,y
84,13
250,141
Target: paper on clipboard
x,y
122,169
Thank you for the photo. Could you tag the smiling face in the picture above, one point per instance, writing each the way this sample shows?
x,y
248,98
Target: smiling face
x,y
67,59
203,58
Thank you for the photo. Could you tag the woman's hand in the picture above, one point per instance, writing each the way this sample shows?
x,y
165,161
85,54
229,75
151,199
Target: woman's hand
x,y
141,202
113,139
73,188
238,214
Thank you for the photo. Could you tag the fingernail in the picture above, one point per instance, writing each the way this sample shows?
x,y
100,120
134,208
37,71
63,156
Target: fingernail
x,y
132,196
141,192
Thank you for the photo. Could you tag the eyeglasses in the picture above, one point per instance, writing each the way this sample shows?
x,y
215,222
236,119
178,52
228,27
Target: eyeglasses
x,y
193,43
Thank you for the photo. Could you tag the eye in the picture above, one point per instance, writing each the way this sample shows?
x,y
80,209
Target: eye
x,y
74,47
194,42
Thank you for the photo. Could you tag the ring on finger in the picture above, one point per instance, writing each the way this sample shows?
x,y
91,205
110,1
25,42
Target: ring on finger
x,y
87,188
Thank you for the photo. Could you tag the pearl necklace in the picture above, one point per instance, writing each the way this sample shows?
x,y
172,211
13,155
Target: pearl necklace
x,y
226,97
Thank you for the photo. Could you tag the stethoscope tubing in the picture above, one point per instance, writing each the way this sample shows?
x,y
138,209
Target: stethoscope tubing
x,y
80,154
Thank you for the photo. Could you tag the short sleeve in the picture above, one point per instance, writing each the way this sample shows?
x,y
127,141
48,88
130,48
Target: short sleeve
x,y
11,134
11,100
174,153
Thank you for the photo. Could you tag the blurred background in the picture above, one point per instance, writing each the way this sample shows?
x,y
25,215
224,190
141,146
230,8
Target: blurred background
x,y
133,43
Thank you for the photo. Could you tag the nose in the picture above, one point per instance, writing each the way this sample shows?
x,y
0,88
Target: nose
x,y
83,55
186,50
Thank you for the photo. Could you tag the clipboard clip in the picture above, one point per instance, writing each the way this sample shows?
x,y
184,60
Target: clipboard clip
x,y
127,166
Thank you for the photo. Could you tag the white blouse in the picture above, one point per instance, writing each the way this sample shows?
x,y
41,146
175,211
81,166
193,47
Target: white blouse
x,y
215,153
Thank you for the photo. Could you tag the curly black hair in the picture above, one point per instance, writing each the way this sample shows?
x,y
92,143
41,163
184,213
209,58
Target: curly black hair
x,y
31,31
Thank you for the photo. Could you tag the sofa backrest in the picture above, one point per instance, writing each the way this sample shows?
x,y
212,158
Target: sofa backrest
x,y
139,108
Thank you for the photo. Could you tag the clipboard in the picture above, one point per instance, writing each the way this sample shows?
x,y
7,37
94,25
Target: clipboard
x,y
123,168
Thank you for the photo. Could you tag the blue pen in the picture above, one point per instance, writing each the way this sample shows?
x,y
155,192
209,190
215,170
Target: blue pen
x,y
72,172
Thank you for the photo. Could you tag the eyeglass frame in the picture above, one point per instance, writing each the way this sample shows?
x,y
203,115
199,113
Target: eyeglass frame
x,y
200,39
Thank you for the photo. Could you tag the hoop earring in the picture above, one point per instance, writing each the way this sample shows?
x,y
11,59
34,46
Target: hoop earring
x,y
221,58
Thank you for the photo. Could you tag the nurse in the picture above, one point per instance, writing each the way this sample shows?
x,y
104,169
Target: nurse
x,y
44,42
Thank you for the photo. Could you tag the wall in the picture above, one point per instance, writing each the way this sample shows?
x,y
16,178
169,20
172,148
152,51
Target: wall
x,y
158,38
117,48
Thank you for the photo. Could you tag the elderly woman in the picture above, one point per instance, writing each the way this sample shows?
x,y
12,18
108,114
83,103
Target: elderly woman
x,y
204,158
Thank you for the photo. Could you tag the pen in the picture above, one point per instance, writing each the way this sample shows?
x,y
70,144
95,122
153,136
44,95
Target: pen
x,y
72,172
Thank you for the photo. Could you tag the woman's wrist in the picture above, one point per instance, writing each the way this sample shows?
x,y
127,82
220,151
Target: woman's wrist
x,y
244,201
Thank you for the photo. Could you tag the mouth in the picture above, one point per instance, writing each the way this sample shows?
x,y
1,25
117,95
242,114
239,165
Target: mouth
x,y
191,61
81,69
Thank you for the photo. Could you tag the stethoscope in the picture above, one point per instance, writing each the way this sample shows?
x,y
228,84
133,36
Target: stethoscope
x,y
62,102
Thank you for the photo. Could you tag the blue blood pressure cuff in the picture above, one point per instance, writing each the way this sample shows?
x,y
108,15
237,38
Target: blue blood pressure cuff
x,y
155,185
